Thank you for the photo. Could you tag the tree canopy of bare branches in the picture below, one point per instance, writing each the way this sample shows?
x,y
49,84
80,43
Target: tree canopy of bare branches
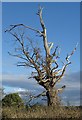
x,y
47,72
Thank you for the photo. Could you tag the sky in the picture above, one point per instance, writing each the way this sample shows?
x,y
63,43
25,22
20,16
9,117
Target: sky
x,y
40,0
62,21
1,44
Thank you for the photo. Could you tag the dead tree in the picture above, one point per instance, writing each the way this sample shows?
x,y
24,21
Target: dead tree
x,y
47,72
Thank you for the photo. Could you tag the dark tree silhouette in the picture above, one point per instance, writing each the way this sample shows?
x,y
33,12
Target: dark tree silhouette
x,y
47,72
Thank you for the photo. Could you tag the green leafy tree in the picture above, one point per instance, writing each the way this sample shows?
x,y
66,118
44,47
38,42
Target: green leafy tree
x,y
12,100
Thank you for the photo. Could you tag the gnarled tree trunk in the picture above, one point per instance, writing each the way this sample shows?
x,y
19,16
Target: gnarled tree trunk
x,y
52,97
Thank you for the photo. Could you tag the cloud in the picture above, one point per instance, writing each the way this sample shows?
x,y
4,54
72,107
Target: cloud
x,y
19,81
19,90
72,81
72,99
71,93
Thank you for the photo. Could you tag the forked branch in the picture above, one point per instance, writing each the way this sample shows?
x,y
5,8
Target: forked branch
x,y
64,67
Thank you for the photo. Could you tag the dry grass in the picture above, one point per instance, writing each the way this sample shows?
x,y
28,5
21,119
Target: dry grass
x,y
41,112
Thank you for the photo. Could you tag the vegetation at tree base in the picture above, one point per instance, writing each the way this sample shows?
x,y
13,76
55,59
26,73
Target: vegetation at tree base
x,y
13,107
39,111
12,100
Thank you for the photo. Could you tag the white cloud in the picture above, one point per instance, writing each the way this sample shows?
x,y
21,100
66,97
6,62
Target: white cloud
x,y
19,90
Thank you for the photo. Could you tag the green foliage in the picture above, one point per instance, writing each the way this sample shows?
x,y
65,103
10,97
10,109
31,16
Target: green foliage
x,y
12,100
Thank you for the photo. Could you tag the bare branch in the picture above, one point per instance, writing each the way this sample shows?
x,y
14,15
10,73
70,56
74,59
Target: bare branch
x,y
56,66
26,53
25,64
58,78
68,56
40,15
46,47
54,53
19,56
63,71
14,26
61,89
50,45
32,97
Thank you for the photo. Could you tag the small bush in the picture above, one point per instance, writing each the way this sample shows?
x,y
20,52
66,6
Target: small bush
x,y
12,100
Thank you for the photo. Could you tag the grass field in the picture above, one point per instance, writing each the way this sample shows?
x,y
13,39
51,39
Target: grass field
x,y
38,111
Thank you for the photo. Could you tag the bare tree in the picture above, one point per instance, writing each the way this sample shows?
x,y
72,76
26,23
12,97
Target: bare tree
x,y
47,72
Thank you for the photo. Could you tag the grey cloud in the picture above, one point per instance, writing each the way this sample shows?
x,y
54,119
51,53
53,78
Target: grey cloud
x,y
71,93
72,81
20,81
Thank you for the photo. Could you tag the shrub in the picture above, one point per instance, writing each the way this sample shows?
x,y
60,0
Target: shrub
x,y
12,100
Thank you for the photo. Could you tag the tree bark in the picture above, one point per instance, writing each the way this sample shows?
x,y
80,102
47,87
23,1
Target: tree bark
x,y
52,97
